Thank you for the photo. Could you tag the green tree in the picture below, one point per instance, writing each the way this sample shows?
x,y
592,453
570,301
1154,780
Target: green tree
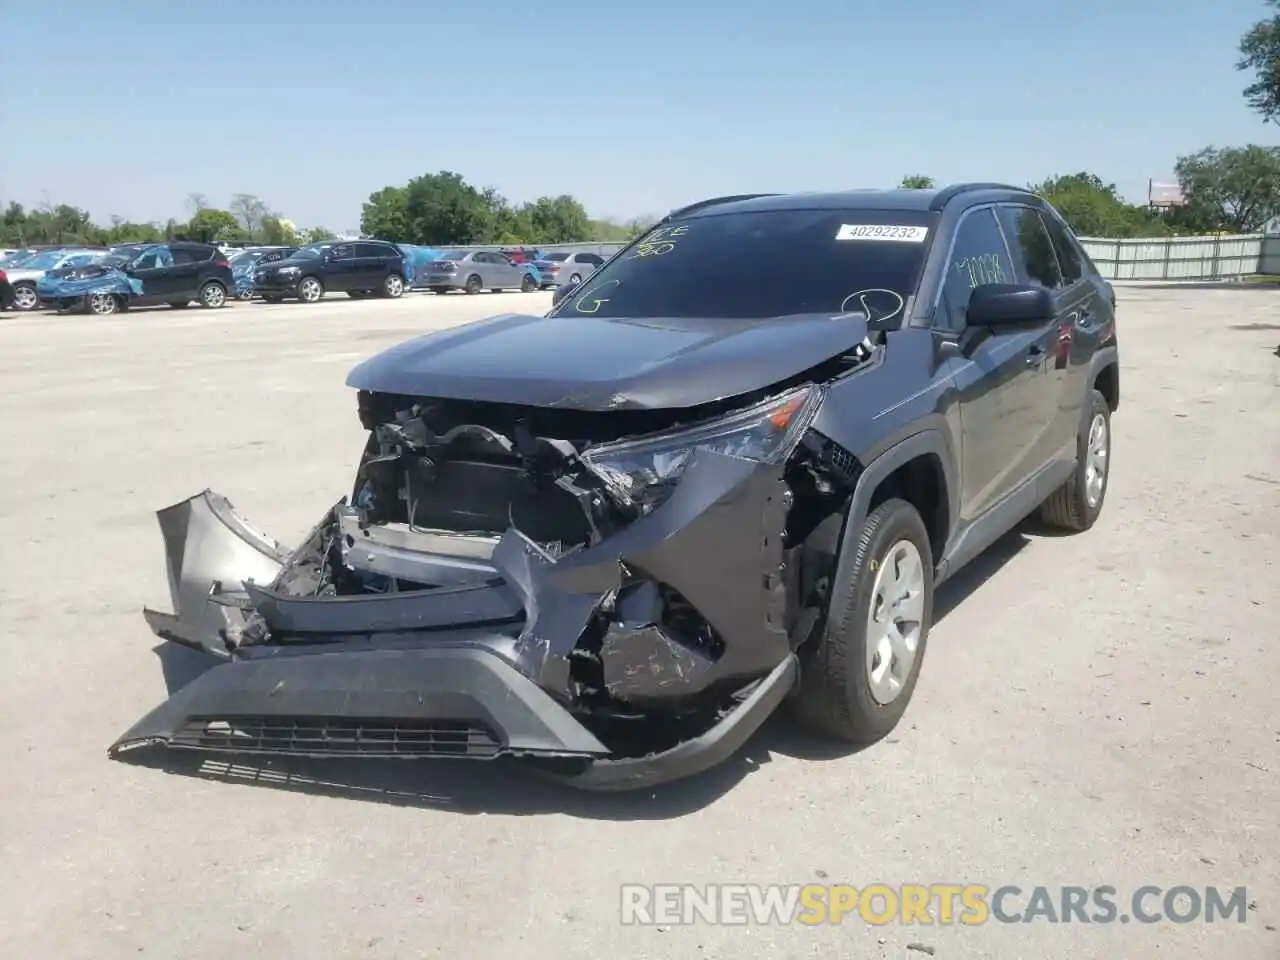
x,y
383,215
1234,188
276,231
916,181
443,209
208,225
559,219
316,235
1094,208
1260,53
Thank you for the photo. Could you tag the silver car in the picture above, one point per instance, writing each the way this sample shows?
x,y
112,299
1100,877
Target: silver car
x,y
473,271
570,267
28,272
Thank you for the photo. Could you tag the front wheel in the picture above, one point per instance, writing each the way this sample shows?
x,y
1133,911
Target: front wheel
x,y
25,297
1077,503
528,284
473,285
213,295
858,676
103,304
393,286
310,290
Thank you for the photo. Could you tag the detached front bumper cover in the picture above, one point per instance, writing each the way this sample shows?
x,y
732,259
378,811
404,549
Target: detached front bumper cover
x,y
475,670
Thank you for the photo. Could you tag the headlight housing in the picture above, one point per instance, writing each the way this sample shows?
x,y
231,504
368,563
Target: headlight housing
x,y
643,473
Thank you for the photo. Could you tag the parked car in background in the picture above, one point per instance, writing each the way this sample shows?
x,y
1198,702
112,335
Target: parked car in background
x,y
6,292
476,270
415,260
244,262
25,274
139,275
358,268
559,267
521,254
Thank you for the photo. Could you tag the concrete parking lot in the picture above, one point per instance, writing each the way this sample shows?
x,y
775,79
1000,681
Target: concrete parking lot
x,y
1097,709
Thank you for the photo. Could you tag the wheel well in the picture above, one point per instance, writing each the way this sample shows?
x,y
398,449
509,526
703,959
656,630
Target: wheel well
x,y
1107,383
922,483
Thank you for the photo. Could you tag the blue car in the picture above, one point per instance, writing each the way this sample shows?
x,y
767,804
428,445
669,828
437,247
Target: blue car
x,y
244,261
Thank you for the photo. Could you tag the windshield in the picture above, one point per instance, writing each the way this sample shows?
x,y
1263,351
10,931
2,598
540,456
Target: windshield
x,y
315,250
453,255
763,264
246,257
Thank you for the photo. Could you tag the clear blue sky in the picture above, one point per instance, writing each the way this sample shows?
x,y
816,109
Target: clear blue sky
x,y
127,108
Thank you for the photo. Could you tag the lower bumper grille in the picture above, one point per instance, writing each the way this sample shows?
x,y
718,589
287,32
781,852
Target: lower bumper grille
x,y
338,736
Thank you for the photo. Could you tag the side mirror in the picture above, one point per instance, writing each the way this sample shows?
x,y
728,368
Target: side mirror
x,y
563,290
1002,304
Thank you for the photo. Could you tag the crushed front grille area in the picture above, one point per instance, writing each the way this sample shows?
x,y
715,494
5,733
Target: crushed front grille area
x,y
338,736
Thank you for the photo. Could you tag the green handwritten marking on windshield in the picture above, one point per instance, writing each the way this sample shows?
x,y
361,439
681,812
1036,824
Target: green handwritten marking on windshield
x,y
981,269
659,242
589,302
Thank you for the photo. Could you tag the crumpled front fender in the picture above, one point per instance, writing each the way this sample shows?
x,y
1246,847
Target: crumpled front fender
x,y
210,554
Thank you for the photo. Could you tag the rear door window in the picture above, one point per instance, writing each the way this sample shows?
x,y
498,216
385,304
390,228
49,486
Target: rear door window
x,y
342,251
1070,258
184,255
1032,248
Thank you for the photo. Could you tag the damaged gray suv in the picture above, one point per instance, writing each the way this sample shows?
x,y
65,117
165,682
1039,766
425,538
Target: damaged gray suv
x,y
726,471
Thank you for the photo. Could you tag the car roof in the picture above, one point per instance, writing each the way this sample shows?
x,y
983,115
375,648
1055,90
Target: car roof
x,y
907,200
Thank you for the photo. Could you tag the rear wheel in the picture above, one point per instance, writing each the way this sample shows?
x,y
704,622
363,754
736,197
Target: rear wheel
x,y
310,290
393,285
1077,503
858,676
473,285
575,279
25,297
528,284
213,295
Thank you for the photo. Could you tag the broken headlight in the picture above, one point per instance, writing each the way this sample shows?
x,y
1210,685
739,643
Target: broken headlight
x,y
643,473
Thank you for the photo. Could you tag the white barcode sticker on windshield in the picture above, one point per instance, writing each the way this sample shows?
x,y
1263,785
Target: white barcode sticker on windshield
x,y
870,231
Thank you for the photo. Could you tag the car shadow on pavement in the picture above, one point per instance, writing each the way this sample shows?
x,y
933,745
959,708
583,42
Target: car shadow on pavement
x,y
505,787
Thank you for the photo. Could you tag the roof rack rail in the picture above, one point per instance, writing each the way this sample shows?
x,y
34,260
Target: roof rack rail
x,y
713,201
947,194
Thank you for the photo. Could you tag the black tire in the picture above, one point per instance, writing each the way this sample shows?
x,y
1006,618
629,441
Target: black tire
x,y
272,298
357,294
103,304
528,284
1068,508
393,286
575,279
473,285
834,695
315,288
495,289
440,290
213,295
179,304
25,298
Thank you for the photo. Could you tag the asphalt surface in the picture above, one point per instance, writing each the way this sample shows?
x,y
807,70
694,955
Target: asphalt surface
x,y
1094,709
